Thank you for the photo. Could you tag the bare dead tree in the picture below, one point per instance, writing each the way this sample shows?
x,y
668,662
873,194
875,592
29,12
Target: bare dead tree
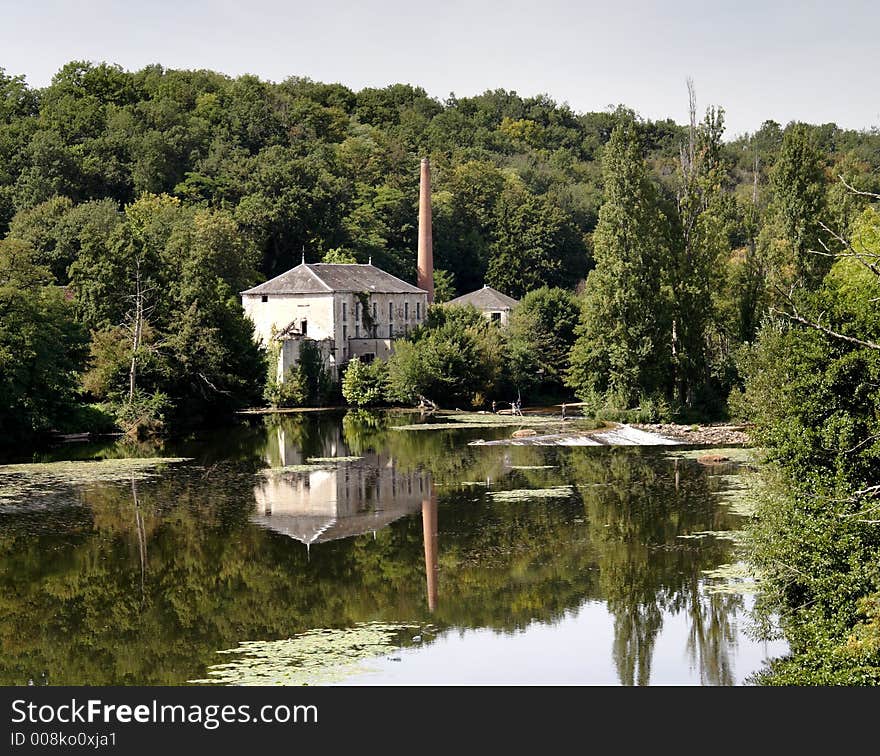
x,y
142,306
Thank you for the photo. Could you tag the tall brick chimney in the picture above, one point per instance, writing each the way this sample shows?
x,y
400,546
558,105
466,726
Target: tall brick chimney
x,y
425,265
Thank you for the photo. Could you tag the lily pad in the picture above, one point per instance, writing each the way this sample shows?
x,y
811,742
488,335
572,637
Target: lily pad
x,y
329,460
20,483
524,494
735,577
312,658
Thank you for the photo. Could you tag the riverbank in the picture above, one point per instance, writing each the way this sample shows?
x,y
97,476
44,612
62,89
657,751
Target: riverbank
x,y
714,434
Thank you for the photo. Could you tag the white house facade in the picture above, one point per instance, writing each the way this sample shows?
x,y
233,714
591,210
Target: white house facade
x,y
348,310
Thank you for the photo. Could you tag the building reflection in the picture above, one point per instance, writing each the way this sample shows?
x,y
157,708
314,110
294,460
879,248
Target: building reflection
x,y
317,503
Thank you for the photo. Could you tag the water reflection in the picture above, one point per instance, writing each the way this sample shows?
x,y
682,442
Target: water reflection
x,y
341,501
143,583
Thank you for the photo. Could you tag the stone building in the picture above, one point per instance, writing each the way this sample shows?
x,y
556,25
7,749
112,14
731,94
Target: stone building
x,y
346,310
492,303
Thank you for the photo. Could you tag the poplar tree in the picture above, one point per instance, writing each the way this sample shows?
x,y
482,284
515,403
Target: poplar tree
x,y
700,251
798,206
621,352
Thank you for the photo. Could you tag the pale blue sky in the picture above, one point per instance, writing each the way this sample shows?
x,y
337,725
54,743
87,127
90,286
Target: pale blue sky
x,y
780,59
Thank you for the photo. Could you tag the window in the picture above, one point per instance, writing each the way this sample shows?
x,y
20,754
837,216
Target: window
x,y
496,317
406,310
304,327
344,311
418,310
345,332
375,315
390,332
357,312
390,311
264,298
357,330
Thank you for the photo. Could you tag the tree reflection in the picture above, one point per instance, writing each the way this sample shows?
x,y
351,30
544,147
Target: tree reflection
x,y
149,599
637,507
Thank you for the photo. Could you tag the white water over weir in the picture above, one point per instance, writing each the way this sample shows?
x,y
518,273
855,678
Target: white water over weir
x,y
622,435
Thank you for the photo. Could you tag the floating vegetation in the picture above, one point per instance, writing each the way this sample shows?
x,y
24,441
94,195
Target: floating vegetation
x,y
731,578
312,658
524,494
739,495
330,460
736,454
533,467
736,536
297,469
19,483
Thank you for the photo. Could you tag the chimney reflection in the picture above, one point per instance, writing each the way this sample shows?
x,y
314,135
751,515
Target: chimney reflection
x,y
431,538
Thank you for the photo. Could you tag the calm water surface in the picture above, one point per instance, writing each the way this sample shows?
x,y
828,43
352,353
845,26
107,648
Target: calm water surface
x,y
144,581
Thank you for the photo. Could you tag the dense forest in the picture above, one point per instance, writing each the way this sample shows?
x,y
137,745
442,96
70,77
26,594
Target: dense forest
x,y
135,205
664,270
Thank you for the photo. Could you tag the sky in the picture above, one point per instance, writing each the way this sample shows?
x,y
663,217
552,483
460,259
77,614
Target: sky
x,y
785,60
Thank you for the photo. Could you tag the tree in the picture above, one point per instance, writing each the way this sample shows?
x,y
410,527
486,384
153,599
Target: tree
x,y
167,284
540,337
798,206
812,392
444,285
455,357
365,384
534,244
41,348
339,255
700,251
622,349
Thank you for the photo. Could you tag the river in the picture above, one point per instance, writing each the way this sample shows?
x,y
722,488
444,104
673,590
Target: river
x,y
333,548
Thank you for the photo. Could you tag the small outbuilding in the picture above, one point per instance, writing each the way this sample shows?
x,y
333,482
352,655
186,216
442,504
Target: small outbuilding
x,y
494,305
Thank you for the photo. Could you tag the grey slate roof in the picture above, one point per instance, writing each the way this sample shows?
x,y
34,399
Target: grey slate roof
x,y
321,278
486,298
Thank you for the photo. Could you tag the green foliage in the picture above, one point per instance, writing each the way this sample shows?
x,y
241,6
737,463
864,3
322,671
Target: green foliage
x,y
798,183
534,244
171,273
540,336
444,285
622,348
41,347
696,268
338,255
815,402
455,357
306,384
365,384
289,392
